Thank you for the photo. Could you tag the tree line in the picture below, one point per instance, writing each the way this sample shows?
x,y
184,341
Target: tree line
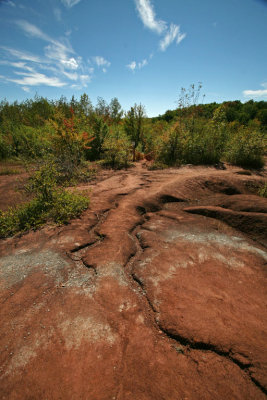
x,y
75,130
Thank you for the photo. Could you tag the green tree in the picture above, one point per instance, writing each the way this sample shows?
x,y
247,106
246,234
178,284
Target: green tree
x,y
116,111
117,148
69,143
85,106
102,108
99,130
134,125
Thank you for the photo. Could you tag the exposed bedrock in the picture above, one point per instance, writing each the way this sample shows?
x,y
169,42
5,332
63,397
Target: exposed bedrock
x,y
151,294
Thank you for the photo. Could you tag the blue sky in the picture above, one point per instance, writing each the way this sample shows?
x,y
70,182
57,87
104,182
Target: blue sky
x,y
136,50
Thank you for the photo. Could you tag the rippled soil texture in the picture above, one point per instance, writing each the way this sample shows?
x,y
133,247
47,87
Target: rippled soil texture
x,y
157,292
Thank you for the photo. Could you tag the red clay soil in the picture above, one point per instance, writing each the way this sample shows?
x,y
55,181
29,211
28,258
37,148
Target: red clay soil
x,y
158,292
12,191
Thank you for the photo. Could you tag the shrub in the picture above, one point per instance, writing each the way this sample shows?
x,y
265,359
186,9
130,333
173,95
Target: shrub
x,y
157,165
246,148
100,131
69,144
50,204
117,149
170,148
179,145
263,190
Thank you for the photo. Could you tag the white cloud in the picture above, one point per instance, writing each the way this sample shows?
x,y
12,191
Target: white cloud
x,y
59,53
132,66
142,64
85,79
71,63
20,65
256,93
70,3
73,76
10,3
55,47
172,35
26,89
36,79
148,16
32,30
21,54
57,13
58,60
101,62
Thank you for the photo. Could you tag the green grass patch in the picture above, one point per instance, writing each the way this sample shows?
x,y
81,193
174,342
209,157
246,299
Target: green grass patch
x,y
50,204
62,207
9,171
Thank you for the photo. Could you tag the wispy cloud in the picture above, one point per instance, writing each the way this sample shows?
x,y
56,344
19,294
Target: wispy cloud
x,y
10,3
148,16
7,3
36,79
70,3
57,14
100,61
170,32
85,79
19,64
133,66
22,55
257,93
58,60
32,30
172,35
142,63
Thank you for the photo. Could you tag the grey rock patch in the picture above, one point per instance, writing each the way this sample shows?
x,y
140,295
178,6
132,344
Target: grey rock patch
x,y
16,267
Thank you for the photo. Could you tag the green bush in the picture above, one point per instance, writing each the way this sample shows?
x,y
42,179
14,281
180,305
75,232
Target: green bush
x,y
180,145
50,204
263,190
246,148
170,148
156,165
117,149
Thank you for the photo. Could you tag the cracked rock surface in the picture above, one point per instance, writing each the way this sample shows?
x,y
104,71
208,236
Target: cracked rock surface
x,y
157,292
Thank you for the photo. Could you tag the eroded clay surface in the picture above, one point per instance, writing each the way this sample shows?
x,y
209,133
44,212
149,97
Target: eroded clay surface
x,y
157,292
